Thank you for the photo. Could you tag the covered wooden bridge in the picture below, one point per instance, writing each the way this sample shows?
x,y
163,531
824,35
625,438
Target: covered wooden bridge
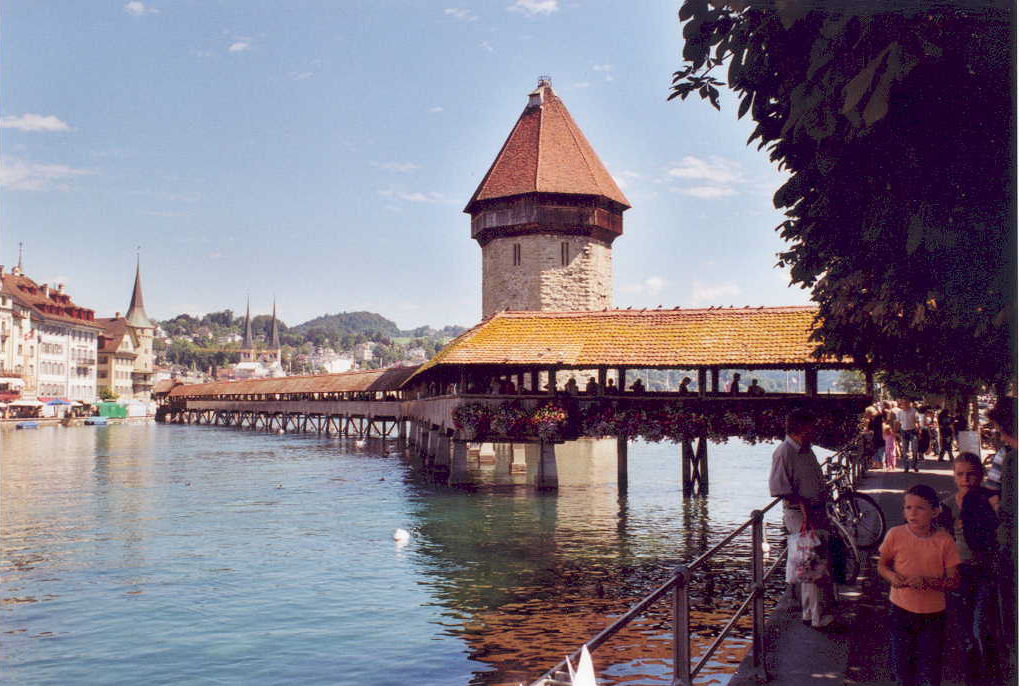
x,y
542,378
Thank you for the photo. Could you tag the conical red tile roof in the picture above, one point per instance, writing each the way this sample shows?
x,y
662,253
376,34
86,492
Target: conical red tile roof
x,y
546,153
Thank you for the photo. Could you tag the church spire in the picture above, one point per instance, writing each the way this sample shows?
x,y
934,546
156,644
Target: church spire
x,y
274,334
136,316
248,342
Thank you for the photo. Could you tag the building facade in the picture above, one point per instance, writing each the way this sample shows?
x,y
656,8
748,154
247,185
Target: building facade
x,y
47,341
126,359
545,216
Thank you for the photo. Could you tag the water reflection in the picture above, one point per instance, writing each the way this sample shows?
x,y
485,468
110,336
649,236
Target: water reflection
x,y
238,553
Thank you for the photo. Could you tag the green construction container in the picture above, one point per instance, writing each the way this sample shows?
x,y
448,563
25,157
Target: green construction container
x,y
109,409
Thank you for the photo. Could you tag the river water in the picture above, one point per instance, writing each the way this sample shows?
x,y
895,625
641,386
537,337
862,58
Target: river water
x,y
165,554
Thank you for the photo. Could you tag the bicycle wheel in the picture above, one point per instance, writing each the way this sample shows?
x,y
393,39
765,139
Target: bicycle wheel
x,y
845,556
863,519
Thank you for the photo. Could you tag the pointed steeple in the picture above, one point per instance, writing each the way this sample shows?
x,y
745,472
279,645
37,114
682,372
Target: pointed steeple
x,y
136,316
248,342
274,334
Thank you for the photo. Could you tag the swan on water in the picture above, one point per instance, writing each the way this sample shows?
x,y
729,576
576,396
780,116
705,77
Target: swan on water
x,y
401,536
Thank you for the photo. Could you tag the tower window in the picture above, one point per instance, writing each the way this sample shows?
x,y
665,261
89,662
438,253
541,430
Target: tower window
x,y
564,249
516,254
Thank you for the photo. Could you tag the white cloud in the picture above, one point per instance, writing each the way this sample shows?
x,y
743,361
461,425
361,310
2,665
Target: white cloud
x,y
301,75
602,67
137,9
707,192
714,169
460,14
652,285
534,7
624,178
436,109
239,46
717,176
19,175
485,45
582,84
401,167
414,196
713,294
33,122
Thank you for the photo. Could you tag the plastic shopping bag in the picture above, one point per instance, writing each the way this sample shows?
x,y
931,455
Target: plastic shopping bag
x,y
805,560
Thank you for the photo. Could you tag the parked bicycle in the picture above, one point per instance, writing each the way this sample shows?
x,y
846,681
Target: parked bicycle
x,y
857,512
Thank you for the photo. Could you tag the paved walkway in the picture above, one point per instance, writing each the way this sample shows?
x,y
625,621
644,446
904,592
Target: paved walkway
x,y
801,656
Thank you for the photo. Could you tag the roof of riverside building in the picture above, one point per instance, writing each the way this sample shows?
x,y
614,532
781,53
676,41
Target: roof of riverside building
x,y
777,337
546,152
45,302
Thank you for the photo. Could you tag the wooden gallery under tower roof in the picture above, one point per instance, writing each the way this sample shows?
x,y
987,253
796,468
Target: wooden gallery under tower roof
x,y
545,216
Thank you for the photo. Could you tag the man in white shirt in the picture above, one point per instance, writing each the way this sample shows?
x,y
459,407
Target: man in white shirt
x,y
797,478
909,428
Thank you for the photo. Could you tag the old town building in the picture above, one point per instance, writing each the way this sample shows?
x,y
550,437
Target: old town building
x,y
47,341
126,359
545,216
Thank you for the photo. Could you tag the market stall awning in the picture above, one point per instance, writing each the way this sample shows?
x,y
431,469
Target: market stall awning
x,y
13,381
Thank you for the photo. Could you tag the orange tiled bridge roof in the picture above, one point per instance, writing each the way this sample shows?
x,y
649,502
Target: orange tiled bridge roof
x,y
776,337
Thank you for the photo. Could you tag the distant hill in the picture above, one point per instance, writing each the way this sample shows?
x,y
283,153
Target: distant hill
x,y
350,323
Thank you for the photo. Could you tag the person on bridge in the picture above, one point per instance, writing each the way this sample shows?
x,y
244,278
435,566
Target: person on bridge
x,y
684,386
734,384
754,388
796,477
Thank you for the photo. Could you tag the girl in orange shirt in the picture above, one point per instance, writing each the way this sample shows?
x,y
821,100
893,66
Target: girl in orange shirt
x,y
921,563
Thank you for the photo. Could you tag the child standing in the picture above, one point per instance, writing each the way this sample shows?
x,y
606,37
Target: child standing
x,y
969,517
921,563
891,446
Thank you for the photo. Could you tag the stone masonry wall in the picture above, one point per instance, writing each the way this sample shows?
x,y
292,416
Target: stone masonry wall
x,y
540,281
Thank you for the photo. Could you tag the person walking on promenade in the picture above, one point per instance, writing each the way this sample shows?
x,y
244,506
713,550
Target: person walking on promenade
x,y
891,443
1001,478
921,563
946,429
796,477
875,426
967,515
909,426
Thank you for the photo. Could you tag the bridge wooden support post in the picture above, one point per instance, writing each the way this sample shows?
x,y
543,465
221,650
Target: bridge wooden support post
x,y
458,473
547,478
622,468
428,445
714,380
702,465
868,380
442,462
810,381
686,458
702,382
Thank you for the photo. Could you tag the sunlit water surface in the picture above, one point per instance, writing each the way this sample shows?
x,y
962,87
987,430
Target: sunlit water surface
x,y
170,554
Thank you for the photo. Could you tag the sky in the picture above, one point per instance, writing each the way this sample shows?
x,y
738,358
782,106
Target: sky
x,y
321,152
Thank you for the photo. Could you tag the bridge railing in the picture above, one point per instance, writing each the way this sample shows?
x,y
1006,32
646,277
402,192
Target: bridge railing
x,y
678,584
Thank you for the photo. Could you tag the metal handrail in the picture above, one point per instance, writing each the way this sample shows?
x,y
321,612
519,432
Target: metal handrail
x,y
683,674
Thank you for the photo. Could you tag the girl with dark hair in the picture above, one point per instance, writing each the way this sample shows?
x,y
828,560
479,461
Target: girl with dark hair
x,y
921,563
968,516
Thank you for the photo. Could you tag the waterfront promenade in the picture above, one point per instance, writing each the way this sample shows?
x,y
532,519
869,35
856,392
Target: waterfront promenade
x,y
801,656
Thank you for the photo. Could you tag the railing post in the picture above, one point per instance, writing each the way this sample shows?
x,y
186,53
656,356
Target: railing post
x,y
681,628
757,532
